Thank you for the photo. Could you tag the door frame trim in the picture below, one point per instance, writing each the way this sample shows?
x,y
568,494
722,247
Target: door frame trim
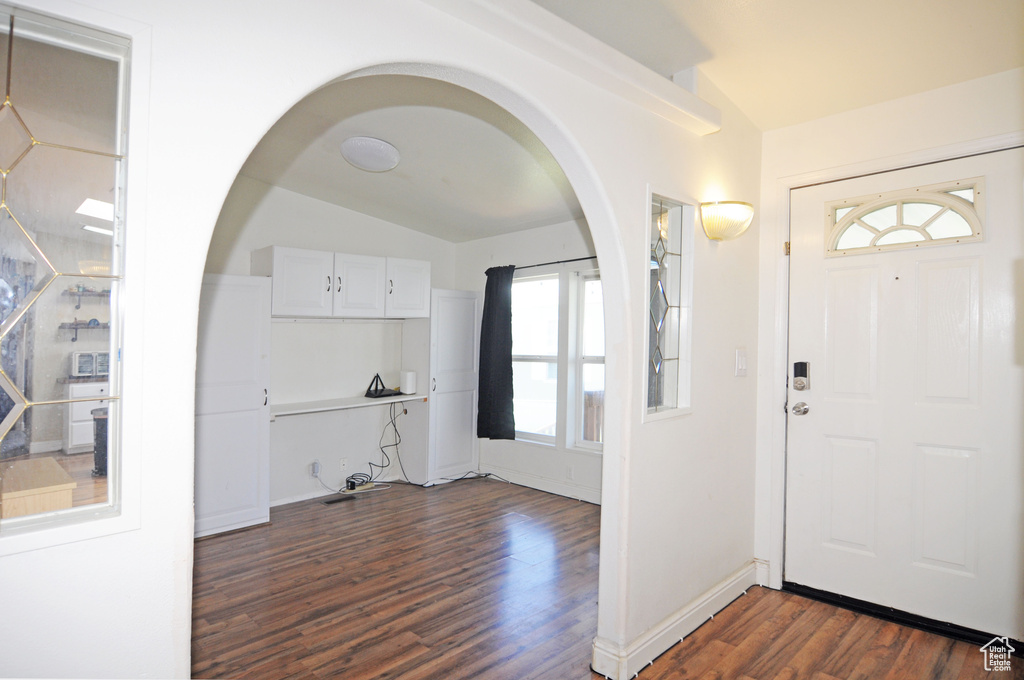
x,y
772,417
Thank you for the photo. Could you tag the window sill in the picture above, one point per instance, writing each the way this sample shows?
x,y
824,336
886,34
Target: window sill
x,y
667,414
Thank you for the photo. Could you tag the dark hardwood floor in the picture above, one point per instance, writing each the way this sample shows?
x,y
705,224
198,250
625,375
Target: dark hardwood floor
x,y
474,579
480,579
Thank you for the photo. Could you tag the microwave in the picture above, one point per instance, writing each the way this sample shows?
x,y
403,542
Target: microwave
x,y
90,363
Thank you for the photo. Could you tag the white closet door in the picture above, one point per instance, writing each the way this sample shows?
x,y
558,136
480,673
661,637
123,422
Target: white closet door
x,y
232,411
453,383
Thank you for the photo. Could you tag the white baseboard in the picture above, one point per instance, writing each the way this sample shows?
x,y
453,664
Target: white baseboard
x,y
621,664
302,497
580,493
46,446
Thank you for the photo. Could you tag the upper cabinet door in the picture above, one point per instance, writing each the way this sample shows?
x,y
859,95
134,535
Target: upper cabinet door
x,y
359,286
303,280
408,288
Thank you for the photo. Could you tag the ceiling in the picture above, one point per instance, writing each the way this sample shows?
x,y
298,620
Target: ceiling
x,y
469,169
789,61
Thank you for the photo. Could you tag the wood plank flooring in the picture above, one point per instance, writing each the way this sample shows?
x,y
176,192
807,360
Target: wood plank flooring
x,y
771,635
474,579
480,579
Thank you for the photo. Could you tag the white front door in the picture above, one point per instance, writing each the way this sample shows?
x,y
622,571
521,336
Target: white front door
x,y
454,320
232,411
905,476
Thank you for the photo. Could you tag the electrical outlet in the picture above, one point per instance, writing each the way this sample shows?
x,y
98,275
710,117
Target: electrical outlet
x,y
344,464
570,473
314,469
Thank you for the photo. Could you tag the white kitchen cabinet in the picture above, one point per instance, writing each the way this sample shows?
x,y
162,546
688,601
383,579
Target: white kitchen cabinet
x,y
78,430
408,288
359,286
303,280
313,283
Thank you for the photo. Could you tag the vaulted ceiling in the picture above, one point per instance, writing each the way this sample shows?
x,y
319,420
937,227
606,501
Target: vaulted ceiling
x,y
469,169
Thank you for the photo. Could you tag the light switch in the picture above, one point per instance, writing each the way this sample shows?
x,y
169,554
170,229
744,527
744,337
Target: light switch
x,y
741,362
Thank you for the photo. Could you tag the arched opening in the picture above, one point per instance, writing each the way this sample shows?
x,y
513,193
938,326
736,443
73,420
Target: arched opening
x,y
475,188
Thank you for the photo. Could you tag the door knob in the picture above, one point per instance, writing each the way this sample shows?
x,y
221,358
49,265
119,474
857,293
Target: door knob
x,y
800,408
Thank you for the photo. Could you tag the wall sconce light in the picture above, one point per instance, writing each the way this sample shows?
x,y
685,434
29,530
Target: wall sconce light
x,y
724,220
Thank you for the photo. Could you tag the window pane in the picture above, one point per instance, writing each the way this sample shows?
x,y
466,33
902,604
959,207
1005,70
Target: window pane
x,y
841,213
668,294
899,236
535,317
593,403
60,267
916,214
534,385
881,219
949,225
855,236
593,319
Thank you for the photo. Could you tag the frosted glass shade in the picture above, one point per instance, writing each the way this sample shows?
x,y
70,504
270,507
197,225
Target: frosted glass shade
x,y
724,220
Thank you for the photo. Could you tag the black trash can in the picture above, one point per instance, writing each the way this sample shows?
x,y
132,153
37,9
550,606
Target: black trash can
x,y
99,442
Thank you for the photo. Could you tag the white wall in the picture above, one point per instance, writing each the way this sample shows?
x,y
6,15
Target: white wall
x,y
971,117
690,478
123,587
537,465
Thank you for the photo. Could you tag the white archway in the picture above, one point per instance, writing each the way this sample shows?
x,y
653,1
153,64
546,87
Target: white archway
x,y
611,255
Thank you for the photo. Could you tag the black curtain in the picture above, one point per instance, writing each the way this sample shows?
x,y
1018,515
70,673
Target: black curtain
x,y
494,416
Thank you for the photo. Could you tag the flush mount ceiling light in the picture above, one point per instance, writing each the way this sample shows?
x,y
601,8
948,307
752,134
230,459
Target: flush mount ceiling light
x,y
370,154
723,220
98,230
101,210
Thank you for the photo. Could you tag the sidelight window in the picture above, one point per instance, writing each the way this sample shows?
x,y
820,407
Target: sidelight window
x,y
62,163
670,267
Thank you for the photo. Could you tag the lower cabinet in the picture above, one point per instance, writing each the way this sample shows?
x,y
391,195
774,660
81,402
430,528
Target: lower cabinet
x,y
78,430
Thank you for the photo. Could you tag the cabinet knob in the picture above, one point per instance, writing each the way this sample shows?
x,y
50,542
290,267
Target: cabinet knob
x,y
339,284
391,286
328,283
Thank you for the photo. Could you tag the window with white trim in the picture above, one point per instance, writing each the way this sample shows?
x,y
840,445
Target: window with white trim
x,y
669,298
558,357
939,214
63,126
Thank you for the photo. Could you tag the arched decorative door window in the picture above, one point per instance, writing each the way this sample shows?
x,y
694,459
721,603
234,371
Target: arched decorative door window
x,y
933,215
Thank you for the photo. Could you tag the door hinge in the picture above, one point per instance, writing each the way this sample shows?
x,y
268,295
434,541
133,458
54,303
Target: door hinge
x,y
787,248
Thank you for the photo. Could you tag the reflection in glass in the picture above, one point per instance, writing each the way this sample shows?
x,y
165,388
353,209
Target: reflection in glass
x,y
664,297
61,131
61,180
